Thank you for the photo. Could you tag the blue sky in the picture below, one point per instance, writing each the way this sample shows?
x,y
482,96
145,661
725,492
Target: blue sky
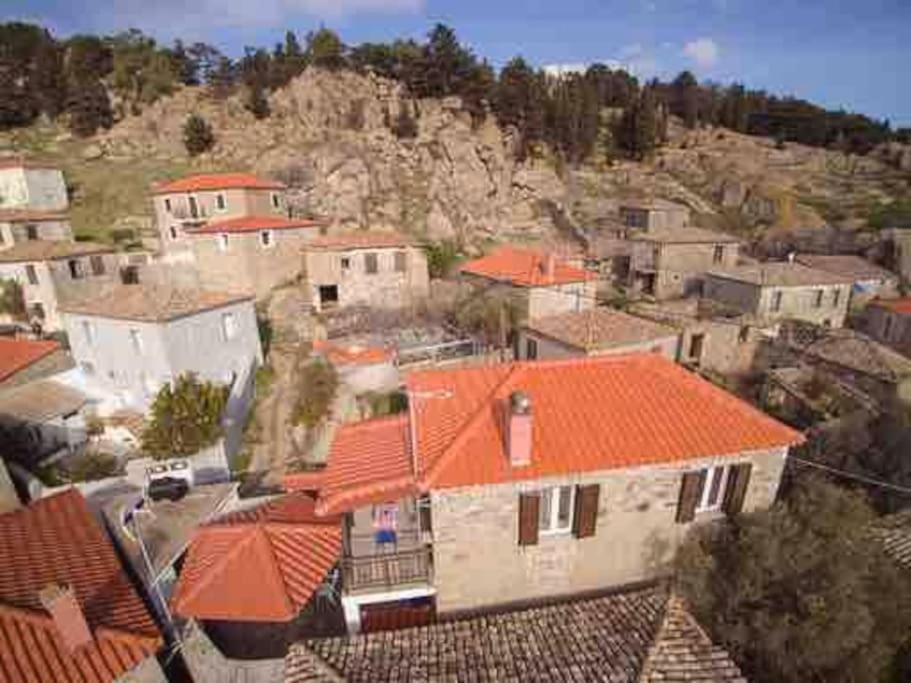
x,y
840,53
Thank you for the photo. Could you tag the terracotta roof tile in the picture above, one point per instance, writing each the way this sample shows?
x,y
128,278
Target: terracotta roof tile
x,y
599,329
218,181
637,635
150,303
338,354
57,540
255,224
258,565
854,267
363,239
51,250
18,354
894,531
901,306
524,268
780,274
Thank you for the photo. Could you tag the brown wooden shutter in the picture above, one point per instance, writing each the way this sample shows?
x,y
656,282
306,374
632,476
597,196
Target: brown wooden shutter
x,y
690,493
736,491
586,512
529,505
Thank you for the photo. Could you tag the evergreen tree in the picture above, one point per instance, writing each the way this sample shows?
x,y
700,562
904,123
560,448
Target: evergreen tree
x,y
197,135
185,418
325,49
447,63
185,66
637,130
205,59
88,108
222,78
478,90
685,98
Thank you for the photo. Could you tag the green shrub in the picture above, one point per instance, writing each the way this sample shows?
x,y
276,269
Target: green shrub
x,y
197,135
317,387
442,258
185,418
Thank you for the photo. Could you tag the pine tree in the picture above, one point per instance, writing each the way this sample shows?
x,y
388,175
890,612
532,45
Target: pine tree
x,y
684,98
185,418
257,102
197,135
222,78
325,49
88,108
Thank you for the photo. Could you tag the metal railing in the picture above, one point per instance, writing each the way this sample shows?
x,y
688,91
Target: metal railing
x,y
387,570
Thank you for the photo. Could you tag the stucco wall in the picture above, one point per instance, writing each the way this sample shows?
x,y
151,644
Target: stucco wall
x,y
189,344
478,562
248,267
387,288
33,188
796,302
576,296
16,232
552,349
679,268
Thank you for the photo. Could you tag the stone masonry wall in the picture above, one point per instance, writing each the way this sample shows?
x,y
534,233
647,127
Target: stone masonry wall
x,y
796,302
478,562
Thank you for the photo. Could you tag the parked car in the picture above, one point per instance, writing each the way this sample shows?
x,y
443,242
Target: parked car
x,y
170,488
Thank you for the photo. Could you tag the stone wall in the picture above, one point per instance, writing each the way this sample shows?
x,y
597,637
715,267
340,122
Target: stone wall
x,y
478,562
797,303
15,232
679,268
33,188
552,349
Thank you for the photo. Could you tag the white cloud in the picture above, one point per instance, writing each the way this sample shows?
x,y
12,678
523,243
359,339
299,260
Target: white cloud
x,y
565,69
703,51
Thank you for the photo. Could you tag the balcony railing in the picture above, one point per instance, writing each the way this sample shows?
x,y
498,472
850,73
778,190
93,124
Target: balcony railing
x,y
387,571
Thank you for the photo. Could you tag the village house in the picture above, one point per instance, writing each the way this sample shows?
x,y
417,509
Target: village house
x,y
869,280
654,215
26,360
538,283
549,467
669,264
24,225
780,291
32,185
376,269
250,254
890,323
68,611
595,332
192,202
130,340
51,273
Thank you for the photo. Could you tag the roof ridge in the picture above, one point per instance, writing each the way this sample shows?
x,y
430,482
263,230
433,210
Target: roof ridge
x,y
208,576
263,532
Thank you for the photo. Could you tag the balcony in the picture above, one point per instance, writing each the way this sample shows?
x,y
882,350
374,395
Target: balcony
x,y
388,571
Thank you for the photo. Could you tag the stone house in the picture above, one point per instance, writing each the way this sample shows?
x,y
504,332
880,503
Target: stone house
x,y
376,269
669,264
516,482
32,185
869,280
23,225
595,332
538,283
68,610
654,215
250,254
131,339
889,322
194,201
781,291
52,273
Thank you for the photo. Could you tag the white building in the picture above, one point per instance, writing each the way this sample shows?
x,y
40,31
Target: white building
x,y
31,185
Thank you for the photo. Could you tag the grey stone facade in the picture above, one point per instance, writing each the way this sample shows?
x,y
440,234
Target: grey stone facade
x,y
16,230
670,265
32,186
889,326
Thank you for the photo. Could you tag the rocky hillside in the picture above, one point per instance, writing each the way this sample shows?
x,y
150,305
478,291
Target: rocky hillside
x,y
329,136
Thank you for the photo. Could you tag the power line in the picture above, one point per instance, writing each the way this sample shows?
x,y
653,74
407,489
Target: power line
x,y
851,475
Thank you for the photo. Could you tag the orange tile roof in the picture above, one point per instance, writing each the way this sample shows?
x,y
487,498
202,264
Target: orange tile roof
x,y
258,565
524,268
18,354
57,540
218,181
363,239
902,306
338,354
590,414
254,224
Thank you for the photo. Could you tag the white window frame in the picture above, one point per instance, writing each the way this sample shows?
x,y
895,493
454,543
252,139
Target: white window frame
x,y
221,240
221,202
711,473
266,239
228,327
552,494
88,332
136,340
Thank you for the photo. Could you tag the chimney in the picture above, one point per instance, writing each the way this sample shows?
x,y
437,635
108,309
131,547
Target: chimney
x,y
60,601
518,429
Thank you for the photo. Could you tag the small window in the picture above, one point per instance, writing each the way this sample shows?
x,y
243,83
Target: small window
x,y
228,326
31,274
88,332
555,514
2,237
718,254
136,341
97,262
276,202
744,335
173,231
38,311
222,241
817,298
75,267
371,263
696,343
776,301
265,239
194,207
167,205
400,261
716,481
887,327
531,349
31,232
220,203
346,263
836,297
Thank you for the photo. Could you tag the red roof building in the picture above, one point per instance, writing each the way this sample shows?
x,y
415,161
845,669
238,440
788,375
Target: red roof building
x,y
525,268
243,224
900,306
261,565
218,181
363,239
590,414
18,354
68,612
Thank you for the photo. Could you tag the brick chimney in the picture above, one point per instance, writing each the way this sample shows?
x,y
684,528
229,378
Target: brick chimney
x,y
60,601
519,429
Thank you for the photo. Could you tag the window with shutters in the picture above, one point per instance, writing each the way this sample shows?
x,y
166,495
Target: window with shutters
x,y
371,263
776,301
32,274
531,349
529,506
221,204
555,514
716,481
400,261
97,263
711,489
817,298
585,517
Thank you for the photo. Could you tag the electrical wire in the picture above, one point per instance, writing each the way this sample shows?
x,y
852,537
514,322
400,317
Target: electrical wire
x,y
851,475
